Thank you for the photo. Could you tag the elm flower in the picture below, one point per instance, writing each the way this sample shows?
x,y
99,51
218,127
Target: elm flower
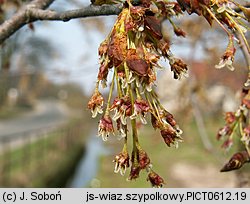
x,y
140,161
121,162
225,62
226,130
134,172
124,80
227,144
168,118
228,57
246,136
155,179
138,66
243,109
230,117
122,129
143,159
171,136
141,107
122,108
178,67
155,122
115,107
151,80
95,104
105,127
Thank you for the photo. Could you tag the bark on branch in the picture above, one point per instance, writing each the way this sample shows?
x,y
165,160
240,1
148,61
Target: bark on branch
x,y
39,14
34,11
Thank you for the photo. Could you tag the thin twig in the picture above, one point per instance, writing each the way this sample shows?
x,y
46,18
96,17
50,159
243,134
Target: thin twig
x,y
34,11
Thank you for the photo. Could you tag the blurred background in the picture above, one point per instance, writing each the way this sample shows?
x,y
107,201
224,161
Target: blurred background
x,y
47,136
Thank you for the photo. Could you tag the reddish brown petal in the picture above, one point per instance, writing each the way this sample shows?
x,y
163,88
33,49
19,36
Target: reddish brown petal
x,y
230,117
155,179
103,71
116,103
123,159
185,5
163,46
152,58
134,172
155,123
169,136
247,131
141,105
117,48
170,118
139,66
246,102
144,160
154,26
179,32
195,5
219,135
106,124
244,92
177,7
95,100
230,51
208,17
227,144
137,12
135,63
205,2
225,131
118,39
103,48
178,67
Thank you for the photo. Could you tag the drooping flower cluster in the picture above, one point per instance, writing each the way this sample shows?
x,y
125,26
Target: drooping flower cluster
x,y
225,14
131,53
237,123
133,50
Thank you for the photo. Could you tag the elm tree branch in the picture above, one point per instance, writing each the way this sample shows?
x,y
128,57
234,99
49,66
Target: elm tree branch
x,y
34,11
8,27
39,14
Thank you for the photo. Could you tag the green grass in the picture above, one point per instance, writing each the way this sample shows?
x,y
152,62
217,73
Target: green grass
x,y
47,162
163,158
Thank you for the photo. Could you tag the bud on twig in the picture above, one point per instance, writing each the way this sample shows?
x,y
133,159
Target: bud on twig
x,y
236,162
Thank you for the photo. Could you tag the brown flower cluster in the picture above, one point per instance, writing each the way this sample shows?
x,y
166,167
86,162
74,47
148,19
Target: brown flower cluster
x,y
237,123
227,18
131,53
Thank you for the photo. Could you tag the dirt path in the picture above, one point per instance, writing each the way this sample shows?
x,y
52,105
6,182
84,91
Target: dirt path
x,y
46,114
208,176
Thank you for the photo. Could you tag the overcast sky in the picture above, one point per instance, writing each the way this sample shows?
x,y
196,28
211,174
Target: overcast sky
x,y
76,48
